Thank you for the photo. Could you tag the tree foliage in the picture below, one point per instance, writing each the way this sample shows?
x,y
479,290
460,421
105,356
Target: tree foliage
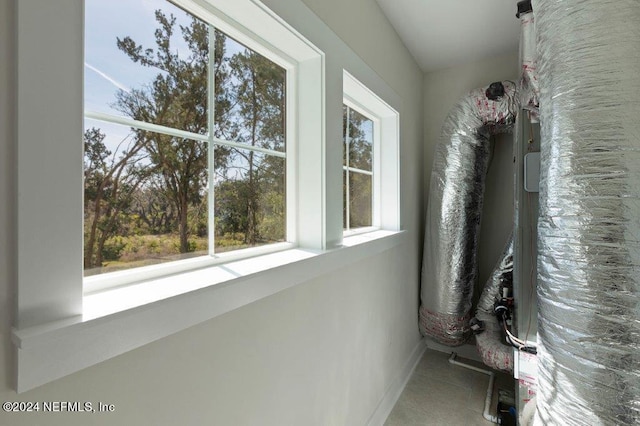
x,y
177,98
110,185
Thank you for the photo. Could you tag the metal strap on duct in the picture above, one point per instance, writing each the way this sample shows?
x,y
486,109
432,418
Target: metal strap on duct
x,y
493,351
449,268
589,224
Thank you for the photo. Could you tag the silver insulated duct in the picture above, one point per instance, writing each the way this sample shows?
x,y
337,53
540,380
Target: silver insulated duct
x,y
528,85
589,219
493,351
449,267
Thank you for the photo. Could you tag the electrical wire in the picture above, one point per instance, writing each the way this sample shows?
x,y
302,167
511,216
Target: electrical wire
x,y
514,341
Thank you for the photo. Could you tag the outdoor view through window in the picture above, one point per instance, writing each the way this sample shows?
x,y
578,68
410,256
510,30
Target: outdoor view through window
x,y
184,141
358,169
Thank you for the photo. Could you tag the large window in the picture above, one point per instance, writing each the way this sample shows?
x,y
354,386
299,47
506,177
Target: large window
x,y
184,138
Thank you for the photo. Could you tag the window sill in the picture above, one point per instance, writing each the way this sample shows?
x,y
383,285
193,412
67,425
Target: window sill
x,y
125,318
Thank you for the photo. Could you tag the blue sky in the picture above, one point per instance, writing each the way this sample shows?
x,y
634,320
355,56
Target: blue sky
x,y
107,69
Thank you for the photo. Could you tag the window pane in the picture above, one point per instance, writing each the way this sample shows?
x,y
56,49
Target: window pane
x,y
145,199
250,98
361,141
360,200
357,133
249,201
146,60
149,60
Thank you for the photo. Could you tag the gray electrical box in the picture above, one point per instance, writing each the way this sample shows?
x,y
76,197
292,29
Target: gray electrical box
x,y
532,172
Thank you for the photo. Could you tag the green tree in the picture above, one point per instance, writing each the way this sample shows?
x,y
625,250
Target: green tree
x,y
177,98
258,89
109,185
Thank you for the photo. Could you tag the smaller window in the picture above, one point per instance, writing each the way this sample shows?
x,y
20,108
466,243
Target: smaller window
x,y
371,159
358,132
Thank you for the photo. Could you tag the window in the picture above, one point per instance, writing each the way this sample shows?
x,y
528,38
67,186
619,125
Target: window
x,y
358,136
51,121
371,178
185,138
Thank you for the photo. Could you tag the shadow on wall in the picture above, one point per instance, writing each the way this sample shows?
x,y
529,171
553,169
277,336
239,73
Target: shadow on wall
x,y
7,194
497,211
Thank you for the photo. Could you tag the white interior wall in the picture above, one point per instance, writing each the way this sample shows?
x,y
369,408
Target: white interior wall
x,y
325,352
7,185
442,90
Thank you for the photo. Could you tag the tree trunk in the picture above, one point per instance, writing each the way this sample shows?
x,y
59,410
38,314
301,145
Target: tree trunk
x,y
252,226
183,226
89,251
251,208
101,242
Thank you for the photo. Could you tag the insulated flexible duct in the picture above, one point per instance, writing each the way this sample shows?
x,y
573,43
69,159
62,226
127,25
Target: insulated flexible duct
x,y
589,219
529,87
449,267
493,352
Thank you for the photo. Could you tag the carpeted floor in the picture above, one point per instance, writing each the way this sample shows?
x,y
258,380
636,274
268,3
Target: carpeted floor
x,y
440,393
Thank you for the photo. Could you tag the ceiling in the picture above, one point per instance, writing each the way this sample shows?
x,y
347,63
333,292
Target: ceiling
x,y
443,33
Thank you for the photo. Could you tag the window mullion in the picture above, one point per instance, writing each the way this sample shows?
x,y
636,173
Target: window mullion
x,y
347,198
244,146
362,172
158,128
211,78
143,125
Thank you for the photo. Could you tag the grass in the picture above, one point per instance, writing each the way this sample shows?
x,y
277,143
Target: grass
x,y
135,251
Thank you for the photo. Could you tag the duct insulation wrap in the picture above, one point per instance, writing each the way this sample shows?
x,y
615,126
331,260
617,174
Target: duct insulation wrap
x,y
490,343
529,87
589,218
449,267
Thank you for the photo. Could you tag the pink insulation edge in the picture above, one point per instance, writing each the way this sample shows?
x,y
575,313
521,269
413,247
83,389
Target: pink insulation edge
x,y
529,88
450,330
493,352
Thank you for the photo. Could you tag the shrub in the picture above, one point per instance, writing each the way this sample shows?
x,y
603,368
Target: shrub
x,y
113,248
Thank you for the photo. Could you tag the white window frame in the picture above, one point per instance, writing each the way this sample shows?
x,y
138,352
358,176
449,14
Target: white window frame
x,y
59,330
385,209
205,12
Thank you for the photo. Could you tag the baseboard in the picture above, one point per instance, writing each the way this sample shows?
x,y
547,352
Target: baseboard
x,y
393,392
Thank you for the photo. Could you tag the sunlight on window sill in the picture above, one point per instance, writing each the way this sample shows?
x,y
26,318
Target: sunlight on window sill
x,y
124,318
130,296
109,302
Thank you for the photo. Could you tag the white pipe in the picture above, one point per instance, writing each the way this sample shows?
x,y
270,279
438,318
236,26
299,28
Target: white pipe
x,y
492,377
